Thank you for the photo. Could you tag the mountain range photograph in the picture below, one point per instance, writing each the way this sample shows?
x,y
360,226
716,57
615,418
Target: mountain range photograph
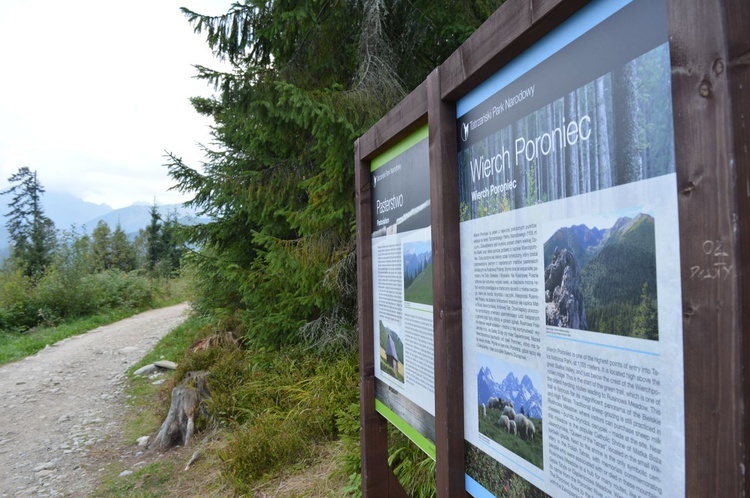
x,y
603,279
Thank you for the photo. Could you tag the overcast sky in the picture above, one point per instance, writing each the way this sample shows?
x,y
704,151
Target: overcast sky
x,y
93,92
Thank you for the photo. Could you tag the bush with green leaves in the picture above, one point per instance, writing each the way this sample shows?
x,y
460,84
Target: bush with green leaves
x,y
17,312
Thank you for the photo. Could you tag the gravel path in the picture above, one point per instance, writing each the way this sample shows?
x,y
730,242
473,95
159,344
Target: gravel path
x,y
60,404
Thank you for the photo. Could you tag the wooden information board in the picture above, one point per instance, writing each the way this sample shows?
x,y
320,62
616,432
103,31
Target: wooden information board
x,y
588,173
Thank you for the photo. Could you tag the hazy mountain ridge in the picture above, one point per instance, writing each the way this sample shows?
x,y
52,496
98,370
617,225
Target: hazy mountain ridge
x,y
413,262
586,243
579,240
622,266
605,285
138,216
68,211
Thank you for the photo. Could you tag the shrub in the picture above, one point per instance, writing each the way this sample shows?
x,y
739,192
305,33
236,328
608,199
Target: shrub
x,y
116,288
16,311
61,293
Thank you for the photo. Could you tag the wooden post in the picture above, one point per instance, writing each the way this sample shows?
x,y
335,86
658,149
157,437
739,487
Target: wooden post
x,y
449,402
709,46
377,477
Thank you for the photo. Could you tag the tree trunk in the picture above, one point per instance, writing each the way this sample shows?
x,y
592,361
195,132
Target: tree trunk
x,y
187,402
602,137
625,98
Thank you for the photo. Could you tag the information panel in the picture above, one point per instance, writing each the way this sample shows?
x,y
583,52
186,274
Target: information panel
x,y
570,264
402,289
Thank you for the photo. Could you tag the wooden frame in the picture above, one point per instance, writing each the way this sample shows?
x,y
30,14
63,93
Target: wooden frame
x,y
708,46
710,80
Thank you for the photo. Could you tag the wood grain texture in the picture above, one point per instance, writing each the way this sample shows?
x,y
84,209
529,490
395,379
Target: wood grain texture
x,y
401,121
737,65
446,260
710,54
708,212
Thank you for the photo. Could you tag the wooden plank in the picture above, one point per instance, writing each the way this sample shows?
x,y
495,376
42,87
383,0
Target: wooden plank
x,y
513,28
401,121
444,210
373,429
378,479
737,65
407,410
708,242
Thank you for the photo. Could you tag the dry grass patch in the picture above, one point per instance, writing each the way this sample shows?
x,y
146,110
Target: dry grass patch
x,y
320,478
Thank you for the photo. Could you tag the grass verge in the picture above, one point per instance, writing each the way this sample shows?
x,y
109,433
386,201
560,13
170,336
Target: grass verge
x,y
15,346
274,432
156,474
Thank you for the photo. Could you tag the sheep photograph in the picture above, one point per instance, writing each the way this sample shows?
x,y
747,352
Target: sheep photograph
x,y
391,352
510,408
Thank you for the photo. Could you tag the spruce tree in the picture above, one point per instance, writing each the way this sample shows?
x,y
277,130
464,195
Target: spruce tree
x,y
154,241
645,321
123,252
32,234
101,247
306,79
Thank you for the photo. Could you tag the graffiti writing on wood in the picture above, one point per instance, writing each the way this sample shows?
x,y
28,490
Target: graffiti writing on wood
x,y
716,268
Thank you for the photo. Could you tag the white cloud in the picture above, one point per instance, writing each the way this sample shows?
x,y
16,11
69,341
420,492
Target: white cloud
x,y
93,93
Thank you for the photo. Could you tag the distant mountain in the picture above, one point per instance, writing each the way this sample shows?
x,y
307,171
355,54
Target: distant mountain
x,y
522,393
581,241
66,210
586,243
138,216
415,263
611,273
486,385
626,261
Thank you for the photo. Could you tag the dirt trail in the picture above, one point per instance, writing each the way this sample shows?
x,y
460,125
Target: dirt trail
x,y
61,404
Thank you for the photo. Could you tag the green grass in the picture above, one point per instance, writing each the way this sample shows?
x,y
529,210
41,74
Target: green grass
x,y
15,346
147,406
175,344
148,481
531,450
420,291
282,410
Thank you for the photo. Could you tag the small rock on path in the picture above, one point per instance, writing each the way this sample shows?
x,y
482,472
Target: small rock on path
x,y
61,404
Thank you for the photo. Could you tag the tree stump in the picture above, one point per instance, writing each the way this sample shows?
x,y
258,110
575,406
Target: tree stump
x,y
187,402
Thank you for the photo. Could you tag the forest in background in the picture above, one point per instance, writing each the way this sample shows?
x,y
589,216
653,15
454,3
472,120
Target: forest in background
x,y
55,275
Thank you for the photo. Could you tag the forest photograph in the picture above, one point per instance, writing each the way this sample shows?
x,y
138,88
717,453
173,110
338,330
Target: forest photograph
x,y
391,352
614,130
600,275
418,272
